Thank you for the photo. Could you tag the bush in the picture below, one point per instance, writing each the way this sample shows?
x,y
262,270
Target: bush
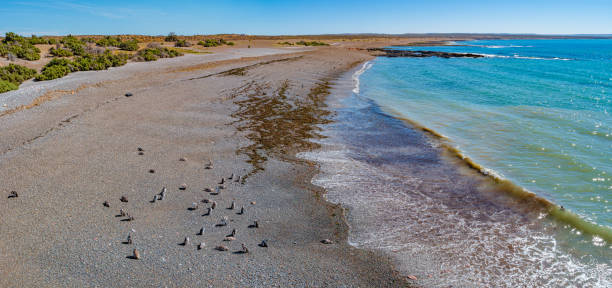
x,y
27,52
109,41
7,86
312,43
212,42
75,45
4,49
101,62
60,62
56,68
230,43
37,40
154,53
59,52
182,43
10,37
60,67
53,72
12,76
148,55
51,41
171,37
90,62
118,60
18,46
130,45
16,74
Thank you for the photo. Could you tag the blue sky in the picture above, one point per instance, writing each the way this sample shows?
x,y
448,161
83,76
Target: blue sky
x,y
155,17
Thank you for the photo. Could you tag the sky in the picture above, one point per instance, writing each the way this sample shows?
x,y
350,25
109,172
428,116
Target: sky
x,y
293,17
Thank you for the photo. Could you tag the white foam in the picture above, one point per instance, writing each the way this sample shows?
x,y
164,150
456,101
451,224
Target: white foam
x,y
357,74
500,46
388,211
516,56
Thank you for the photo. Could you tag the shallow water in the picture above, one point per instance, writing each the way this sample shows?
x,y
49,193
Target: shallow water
x,y
535,112
440,221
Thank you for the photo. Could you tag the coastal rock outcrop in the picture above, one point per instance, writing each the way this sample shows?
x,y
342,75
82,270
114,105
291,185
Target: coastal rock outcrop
x,y
384,52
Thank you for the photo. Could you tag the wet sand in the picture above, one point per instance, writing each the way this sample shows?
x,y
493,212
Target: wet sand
x,y
78,148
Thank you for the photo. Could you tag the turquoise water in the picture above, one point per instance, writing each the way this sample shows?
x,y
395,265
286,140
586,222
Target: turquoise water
x,y
535,112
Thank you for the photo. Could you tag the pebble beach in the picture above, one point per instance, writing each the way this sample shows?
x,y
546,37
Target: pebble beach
x,y
217,134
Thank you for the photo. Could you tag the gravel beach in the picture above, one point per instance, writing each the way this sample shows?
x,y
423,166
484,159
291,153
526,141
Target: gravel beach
x,y
226,126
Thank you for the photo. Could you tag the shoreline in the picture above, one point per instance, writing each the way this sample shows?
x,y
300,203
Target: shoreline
x,y
505,185
370,154
554,210
67,156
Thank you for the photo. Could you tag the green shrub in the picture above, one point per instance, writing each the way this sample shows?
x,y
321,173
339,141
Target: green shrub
x,y
171,37
18,46
53,72
109,41
312,43
51,41
100,62
212,42
60,62
89,62
4,49
148,55
69,38
34,40
10,37
7,86
75,45
182,43
56,68
60,67
16,74
130,45
215,43
119,59
154,53
59,52
13,75
27,52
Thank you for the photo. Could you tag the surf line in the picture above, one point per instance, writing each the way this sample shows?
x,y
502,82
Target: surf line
x,y
555,211
367,65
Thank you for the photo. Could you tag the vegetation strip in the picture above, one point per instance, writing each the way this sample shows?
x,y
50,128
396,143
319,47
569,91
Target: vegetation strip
x,y
305,43
72,54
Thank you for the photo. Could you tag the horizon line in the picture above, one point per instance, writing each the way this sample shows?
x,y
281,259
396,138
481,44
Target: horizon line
x,y
340,34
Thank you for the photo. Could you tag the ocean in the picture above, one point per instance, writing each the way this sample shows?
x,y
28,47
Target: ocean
x,y
479,172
